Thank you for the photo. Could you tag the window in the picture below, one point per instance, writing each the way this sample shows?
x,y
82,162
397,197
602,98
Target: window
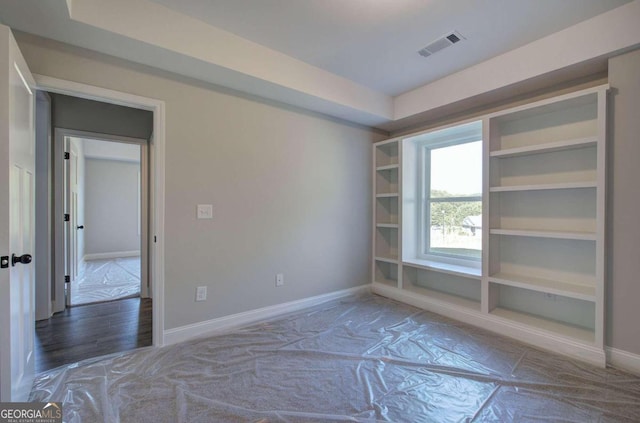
x,y
450,195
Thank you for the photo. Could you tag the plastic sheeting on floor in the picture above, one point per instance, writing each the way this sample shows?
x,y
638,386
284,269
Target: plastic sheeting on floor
x,y
106,280
362,359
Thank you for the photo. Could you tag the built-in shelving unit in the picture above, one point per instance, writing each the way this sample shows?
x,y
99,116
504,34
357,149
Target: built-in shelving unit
x,y
545,258
386,209
542,275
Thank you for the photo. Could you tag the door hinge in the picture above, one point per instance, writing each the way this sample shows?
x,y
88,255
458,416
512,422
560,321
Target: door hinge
x,y
66,155
67,278
67,217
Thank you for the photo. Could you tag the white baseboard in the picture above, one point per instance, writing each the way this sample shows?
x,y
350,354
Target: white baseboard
x,y
111,255
222,324
623,360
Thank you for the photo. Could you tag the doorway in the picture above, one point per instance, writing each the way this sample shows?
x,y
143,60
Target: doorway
x,y
105,244
156,171
102,254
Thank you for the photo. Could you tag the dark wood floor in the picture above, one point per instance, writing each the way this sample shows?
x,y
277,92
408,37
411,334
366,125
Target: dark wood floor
x,y
92,330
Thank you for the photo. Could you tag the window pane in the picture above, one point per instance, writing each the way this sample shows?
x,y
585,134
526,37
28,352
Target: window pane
x,y
456,171
456,229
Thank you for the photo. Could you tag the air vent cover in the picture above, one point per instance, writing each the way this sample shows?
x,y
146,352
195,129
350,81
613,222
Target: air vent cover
x,y
441,43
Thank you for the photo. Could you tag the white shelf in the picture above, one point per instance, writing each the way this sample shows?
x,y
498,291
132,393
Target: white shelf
x,y
386,259
580,236
387,225
387,195
586,292
540,187
558,328
545,148
451,269
443,297
388,167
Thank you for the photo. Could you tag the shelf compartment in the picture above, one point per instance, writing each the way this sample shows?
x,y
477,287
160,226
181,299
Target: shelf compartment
x,y
571,290
575,332
551,122
571,261
571,210
387,154
545,148
386,210
567,166
387,195
386,243
385,273
581,236
565,316
449,288
542,187
387,181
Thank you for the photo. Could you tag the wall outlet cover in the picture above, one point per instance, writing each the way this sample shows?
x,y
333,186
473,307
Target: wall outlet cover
x,y
279,279
204,211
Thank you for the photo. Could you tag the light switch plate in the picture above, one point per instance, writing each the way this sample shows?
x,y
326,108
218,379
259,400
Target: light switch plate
x,y
204,211
201,293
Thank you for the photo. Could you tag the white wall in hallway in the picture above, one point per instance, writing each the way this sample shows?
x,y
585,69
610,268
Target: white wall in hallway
x,y
111,206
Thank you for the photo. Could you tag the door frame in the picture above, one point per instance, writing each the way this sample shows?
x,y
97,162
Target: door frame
x,y
63,231
156,177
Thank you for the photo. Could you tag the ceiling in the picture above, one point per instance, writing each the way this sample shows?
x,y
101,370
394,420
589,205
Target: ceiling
x,y
375,42
352,59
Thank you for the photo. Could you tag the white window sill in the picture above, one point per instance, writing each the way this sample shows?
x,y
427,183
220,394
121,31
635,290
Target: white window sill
x,y
453,269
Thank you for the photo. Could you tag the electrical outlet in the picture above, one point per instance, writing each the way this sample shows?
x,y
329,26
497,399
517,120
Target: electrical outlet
x,y
204,211
201,293
279,279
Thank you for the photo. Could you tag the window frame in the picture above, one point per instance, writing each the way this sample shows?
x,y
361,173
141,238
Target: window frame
x,y
455,135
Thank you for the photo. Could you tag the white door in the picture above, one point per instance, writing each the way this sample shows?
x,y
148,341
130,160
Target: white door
x,y
17,290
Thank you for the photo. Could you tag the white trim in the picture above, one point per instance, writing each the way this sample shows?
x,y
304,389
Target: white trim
x,y
111,255
623,360
533,336
157,144
233,321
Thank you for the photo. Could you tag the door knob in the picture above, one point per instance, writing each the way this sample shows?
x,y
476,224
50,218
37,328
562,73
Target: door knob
x,y
24,259
80,227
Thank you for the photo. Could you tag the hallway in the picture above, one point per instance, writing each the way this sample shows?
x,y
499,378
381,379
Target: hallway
x,y
106,280
92,330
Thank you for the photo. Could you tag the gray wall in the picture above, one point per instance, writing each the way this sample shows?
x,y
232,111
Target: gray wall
x,y
111,206
623,293
104,118
291,190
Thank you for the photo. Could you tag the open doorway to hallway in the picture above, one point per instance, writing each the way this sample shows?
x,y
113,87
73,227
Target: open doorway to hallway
x,y
103,188
93,293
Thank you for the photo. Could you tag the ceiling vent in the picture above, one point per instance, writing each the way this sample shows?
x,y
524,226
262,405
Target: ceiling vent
x,y
441,43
